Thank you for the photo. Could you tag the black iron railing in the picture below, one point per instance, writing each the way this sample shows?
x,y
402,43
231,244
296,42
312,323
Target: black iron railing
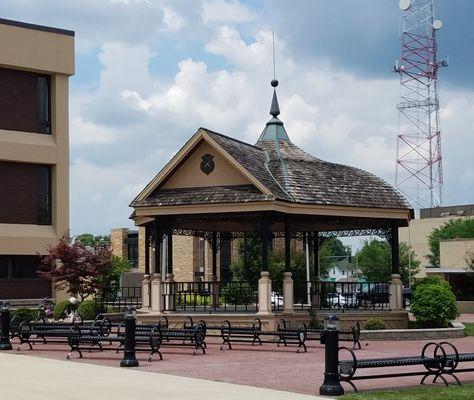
x,y
118,301
341,295
235,296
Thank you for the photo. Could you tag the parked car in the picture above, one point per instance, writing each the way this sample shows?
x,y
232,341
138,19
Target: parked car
x,y
374,293
406,297
277,299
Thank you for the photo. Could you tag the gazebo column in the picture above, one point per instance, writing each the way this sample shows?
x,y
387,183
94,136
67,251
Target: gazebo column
x,y
265,283
157,283
215,283
395,287
146,276
288,289
315,300
170,284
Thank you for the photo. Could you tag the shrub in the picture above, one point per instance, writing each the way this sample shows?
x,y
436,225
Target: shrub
x,y
314,322
87,309
62,308
374,325
433,303
24,314
240,294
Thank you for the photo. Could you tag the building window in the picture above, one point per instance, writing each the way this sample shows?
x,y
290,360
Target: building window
x,y
18,267
25,101
132,249
26,193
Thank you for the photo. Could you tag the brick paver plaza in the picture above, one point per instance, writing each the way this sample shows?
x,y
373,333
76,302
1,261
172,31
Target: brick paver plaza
x,y
262,366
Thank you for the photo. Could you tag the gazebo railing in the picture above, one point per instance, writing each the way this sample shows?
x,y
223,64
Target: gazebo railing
x,y
118,301
202,296
341,295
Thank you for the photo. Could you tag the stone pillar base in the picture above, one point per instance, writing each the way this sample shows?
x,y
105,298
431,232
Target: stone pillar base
x,y
157,294
395,293
288,293
146,292
264,294
170,301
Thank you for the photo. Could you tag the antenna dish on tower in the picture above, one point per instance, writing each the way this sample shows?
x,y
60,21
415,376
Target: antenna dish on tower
x,y
437,24
404,5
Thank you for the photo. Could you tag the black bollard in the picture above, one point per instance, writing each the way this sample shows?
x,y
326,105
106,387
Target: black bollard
x,y
5,343
129,359
330,337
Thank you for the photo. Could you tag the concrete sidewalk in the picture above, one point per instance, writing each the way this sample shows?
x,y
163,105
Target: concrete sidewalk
x,y
26,378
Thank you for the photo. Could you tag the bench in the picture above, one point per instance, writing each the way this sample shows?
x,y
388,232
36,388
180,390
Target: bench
x,y
78,338
434,359
345,335
30,332
253,334
189,335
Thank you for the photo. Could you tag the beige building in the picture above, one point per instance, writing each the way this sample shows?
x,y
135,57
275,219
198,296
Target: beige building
x,y
416,234
35,65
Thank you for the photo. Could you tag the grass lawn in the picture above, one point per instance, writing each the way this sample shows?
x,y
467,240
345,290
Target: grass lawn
x,y
469,328
465,392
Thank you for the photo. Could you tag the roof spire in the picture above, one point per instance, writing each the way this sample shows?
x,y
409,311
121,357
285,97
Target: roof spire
x,y
274,129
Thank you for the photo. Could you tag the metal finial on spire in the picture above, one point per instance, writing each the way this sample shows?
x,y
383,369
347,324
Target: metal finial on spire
x,y
274,129
274,109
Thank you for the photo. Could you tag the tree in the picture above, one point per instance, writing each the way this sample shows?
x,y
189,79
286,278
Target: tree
x,y
109,278
375,260
73,266
453,229
250,251
276,261
88,239
330,251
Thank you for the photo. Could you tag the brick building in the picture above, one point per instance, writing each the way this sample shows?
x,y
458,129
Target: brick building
x,y
35,65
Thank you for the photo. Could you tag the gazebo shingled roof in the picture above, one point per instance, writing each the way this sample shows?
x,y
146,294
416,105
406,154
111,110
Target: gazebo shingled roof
x,y
291,175
276,176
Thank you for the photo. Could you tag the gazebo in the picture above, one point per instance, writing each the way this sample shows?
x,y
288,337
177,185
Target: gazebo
x,y
219,187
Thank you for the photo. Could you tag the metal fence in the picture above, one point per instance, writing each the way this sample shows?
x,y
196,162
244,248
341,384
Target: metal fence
x,y
341,295
234,296
118,301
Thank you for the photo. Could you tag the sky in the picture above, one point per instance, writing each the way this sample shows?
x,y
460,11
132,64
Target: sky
x,y
149,73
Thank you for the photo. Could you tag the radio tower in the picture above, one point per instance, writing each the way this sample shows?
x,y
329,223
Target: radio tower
x,y
419,173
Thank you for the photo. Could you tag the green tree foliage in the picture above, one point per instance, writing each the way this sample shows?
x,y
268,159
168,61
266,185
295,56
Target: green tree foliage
x,y
276,263
331,250
276,260
433,303
81,270
375,260
453,229
88,239
250,252
109,279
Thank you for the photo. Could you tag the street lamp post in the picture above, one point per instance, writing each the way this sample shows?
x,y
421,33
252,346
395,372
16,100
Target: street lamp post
x,y
5,343
330,337
129,359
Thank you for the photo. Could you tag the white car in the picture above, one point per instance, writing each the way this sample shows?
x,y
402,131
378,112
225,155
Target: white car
x,y
277,299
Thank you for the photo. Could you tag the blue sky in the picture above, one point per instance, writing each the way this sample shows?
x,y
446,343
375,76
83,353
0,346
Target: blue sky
x,y
149,73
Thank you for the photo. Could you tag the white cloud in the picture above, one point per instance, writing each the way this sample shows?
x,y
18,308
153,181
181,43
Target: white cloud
x,y
172,20
221,11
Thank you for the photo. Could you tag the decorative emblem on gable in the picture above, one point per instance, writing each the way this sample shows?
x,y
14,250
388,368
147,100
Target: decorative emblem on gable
x,y
207,163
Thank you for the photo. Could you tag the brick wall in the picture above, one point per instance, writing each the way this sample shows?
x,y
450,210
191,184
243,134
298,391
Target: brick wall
x,y
118,241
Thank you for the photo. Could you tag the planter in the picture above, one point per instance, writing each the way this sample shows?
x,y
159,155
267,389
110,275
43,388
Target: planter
x,y
456,331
